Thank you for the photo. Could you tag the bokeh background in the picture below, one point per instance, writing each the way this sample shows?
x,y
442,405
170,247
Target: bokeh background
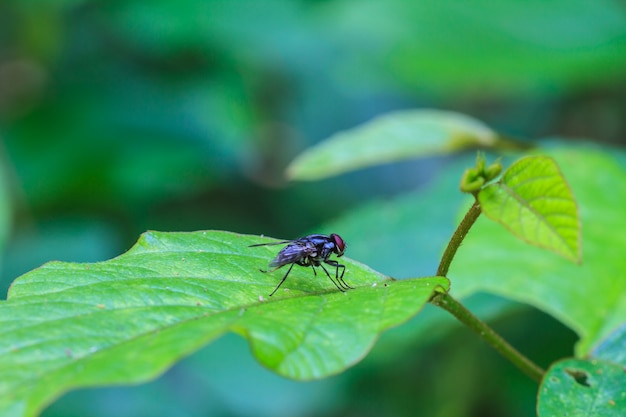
x,y
121,116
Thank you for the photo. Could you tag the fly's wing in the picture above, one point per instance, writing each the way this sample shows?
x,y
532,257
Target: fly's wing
x,y
292,253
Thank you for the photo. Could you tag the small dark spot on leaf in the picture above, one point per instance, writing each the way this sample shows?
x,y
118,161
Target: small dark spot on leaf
x,y
580,377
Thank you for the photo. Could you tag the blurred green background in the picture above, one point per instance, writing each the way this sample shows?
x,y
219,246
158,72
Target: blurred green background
x,y
122,116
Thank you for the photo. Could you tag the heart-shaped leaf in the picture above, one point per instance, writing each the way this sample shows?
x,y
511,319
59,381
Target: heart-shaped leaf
x,y
392,137
534,201
126,320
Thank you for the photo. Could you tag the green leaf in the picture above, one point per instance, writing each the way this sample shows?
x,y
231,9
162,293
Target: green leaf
x,y
393,137
534,202
581,388
595,387
590,298
126,320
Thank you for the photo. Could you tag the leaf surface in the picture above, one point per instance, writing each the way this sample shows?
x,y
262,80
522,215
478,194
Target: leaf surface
x,y
590,387
534,202
582,388
392,137
128,319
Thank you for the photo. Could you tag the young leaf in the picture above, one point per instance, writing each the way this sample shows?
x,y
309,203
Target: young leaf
x,y
393,137
534,201
128,319
588,388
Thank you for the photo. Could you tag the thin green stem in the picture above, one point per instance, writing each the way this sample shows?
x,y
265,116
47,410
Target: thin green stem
x,y
445,301
457,238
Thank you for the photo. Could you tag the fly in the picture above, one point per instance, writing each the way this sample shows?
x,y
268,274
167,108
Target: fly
x,y
311,250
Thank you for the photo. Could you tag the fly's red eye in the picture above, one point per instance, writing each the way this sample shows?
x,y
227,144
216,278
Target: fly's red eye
x,y
341,245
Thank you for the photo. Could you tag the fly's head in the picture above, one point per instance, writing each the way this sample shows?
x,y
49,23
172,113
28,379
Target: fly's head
x,y
340,245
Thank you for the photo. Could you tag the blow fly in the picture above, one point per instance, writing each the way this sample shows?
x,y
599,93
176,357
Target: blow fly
x,y
311,251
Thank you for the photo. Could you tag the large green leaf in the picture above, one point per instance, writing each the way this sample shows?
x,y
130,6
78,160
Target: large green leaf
x,y
534,201
589,298
126,320
391,137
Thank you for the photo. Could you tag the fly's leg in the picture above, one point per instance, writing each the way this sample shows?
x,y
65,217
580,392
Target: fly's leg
x,y
331,278
282,280
343,270
338,277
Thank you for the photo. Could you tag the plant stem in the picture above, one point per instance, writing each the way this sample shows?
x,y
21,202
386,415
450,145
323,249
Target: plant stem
x,y
445,301
457,238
